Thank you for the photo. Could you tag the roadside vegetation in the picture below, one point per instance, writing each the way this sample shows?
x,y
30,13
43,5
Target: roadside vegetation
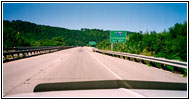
x,y
170,44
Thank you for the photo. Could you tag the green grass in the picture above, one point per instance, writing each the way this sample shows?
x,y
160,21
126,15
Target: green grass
x,y
185,73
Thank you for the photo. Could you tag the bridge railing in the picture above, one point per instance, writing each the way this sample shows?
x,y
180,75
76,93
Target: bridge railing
x,y
164,61
21,52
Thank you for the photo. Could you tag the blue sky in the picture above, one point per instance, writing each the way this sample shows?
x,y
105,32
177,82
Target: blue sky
x,y
107,16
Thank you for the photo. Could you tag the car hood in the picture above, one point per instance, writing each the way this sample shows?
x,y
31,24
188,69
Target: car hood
x,y
107,93
108,88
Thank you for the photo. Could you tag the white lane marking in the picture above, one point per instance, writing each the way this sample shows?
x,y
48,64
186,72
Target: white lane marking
x,y
127,90
132,92
105,66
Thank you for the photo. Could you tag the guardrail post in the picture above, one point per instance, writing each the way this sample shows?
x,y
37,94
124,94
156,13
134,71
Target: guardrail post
x,y
18,55
23,54
12,56
5,56
142,61
152,64
28,53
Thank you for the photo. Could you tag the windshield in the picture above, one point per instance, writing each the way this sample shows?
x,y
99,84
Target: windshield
x,y
95,46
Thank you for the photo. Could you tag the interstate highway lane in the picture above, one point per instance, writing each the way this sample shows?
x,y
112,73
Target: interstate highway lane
x,y
76,64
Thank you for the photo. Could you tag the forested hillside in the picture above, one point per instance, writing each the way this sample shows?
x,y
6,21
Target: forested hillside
x,y
20,33
170,44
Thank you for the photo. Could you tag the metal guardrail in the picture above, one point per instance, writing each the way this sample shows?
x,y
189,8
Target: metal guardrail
x,y
30,48
22,52
164,61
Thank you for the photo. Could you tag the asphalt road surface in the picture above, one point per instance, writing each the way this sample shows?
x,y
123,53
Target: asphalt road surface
x,y
77,64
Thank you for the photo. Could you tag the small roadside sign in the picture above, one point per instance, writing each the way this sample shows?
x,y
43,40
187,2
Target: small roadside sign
x,y
91,43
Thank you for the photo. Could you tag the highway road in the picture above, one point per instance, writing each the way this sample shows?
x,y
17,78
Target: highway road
x,y
74,65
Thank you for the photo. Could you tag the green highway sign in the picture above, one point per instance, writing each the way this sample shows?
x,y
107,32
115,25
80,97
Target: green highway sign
x,y
92,43
118,36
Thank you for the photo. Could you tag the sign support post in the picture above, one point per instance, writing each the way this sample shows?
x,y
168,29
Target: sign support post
x,y
111,46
